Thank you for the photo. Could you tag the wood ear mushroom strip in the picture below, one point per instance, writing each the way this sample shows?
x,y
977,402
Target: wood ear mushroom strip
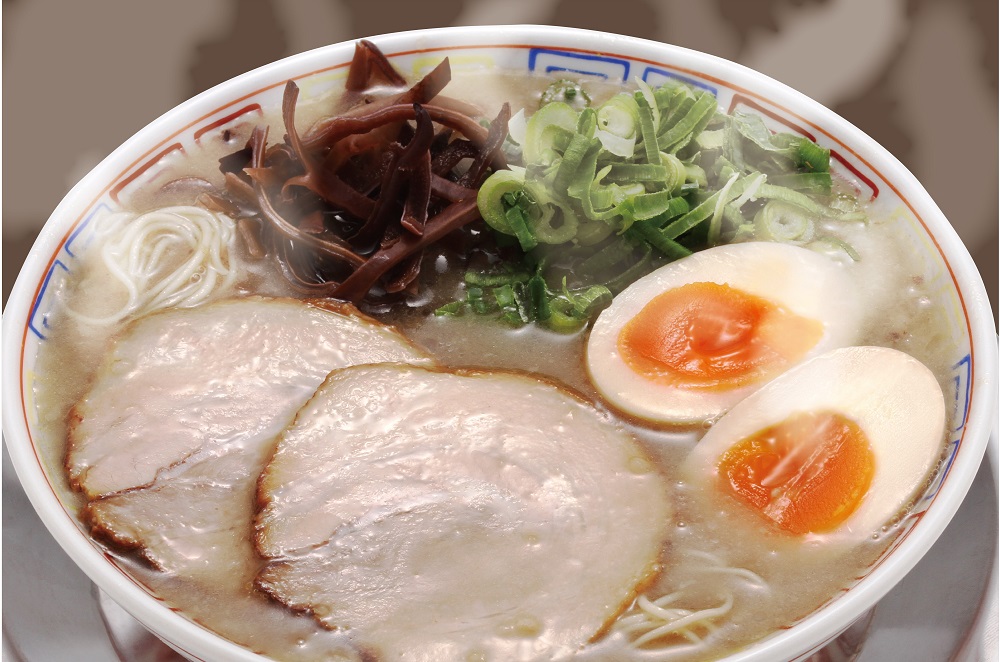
x,y
348,207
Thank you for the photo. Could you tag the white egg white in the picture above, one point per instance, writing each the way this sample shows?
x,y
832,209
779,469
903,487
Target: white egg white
x,y
797,279
892,397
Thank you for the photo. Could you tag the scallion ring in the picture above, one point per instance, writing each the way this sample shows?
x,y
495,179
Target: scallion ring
x,y
781,221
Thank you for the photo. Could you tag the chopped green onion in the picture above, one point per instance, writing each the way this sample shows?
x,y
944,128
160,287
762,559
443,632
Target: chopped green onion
x,y
583,302
649,205
807,182
752,128
581,187
591,233
812,157
647,129
479,279
491,198
670,95
650,101
587,122
619,115
833,247
565,91
780,221
711,139
715,224
519,228
676,172
678,110
577,149
451,309
750,191
504,295
675,207
539,298
705,209
629,173
645,178
479,305
724,169
618,124
744,232
588,300
696,175
557,226
536,140
801,200
616,144
563,323
681,133
600,203
658,239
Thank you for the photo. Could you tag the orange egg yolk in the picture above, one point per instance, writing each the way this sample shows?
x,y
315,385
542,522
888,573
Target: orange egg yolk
x,y
806,474
713,336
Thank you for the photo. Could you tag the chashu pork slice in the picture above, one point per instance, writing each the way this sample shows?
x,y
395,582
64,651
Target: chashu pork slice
x,y
196,524
462,515
190,381
182,417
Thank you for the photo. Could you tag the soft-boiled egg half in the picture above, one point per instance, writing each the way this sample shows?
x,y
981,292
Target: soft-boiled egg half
x,y
691,339
838,445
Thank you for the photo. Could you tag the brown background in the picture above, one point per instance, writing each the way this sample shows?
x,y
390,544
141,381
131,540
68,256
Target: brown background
x,y
920,76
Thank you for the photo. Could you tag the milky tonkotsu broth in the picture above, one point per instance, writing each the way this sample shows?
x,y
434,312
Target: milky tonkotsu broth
x,y
799,577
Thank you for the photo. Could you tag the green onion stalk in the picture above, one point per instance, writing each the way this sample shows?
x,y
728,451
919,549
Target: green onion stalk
x,y
606,194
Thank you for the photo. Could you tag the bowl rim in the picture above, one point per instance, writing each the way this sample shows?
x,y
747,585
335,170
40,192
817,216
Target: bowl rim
x,y
817,627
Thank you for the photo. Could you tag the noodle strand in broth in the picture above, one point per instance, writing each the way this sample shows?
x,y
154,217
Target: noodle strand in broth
x,y
173,257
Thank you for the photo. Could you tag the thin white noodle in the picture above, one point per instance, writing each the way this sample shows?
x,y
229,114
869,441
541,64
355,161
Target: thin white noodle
x,y
138,252
694,618
656,611
644,621
653,620
722,568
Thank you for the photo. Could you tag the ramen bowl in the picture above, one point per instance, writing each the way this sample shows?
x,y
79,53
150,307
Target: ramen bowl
x,y
968,339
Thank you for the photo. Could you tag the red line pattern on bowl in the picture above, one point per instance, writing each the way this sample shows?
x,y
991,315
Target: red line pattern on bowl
x,y
218,124
122,185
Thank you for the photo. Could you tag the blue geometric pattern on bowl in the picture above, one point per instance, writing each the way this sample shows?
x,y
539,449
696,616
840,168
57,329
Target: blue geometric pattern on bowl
x,y
75,244
657,76
547,60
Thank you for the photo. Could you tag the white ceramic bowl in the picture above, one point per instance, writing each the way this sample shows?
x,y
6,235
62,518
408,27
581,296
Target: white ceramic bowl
x,y
520,48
